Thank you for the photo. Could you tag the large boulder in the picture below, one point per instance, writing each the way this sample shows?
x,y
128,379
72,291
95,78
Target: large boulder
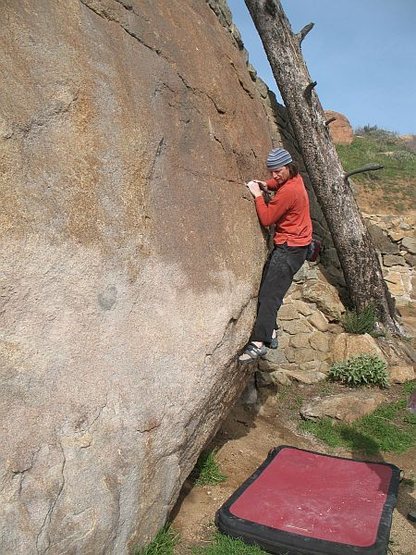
x,y
340,129
130,260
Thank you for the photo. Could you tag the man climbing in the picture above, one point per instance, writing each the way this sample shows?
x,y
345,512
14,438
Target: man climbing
x,y
289,212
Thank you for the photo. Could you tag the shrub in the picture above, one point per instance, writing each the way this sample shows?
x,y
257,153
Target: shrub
x,y
360,322
361,370
409,387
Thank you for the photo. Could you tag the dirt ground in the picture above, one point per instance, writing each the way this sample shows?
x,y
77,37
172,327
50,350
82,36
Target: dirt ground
x,y
244,442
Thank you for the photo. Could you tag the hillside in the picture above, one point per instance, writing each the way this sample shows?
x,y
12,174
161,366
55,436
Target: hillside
x,y
392,189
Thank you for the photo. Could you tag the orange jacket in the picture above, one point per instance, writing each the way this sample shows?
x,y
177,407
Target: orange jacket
x,y
289,211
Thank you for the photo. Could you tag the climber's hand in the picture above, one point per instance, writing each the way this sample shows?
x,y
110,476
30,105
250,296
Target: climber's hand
x,y
254,188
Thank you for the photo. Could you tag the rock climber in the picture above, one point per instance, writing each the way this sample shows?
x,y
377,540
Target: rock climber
x,y
289,211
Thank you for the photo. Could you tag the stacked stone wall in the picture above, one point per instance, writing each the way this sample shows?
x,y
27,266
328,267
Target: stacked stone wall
x,y
395,240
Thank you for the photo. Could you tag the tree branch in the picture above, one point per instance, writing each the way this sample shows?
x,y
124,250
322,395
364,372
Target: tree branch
x,y
366,168
303,32
307,93
330,120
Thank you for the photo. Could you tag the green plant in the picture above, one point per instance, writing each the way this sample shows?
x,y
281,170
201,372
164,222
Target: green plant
x,y
224,545
162,544
360,322
360,370
339,434
207,471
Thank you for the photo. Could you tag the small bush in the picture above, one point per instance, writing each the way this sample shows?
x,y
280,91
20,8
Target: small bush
x,y
207,471
163,543
360,322
361,370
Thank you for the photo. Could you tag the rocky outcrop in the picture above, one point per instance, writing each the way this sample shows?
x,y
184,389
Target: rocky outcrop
x,y
130,260
340,129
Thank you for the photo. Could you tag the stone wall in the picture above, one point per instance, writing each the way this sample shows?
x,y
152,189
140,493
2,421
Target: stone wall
x,y
312,338
395,240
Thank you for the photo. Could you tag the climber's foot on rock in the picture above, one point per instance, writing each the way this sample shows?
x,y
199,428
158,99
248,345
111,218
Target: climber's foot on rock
x,y
252,351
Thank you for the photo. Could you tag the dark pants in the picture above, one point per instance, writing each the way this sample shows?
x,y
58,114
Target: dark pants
x,y
278,273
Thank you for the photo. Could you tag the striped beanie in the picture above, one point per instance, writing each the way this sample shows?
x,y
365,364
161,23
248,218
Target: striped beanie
x,y
277,158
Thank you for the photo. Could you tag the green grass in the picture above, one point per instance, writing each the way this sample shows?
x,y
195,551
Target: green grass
x,y
163,543
377,146
391,429
207,470
224,545
409,387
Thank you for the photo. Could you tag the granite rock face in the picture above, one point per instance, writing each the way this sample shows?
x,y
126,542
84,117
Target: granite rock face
x,y
130,259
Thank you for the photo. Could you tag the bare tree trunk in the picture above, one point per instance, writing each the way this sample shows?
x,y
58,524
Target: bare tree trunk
x,y
356,252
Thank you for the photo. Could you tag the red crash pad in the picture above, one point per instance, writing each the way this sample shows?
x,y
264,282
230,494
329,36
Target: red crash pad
x,y
300,501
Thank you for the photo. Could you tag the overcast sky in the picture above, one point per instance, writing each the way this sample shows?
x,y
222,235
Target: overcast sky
x,y
362,53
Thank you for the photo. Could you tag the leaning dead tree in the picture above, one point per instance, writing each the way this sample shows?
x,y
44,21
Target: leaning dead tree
x,y
354,246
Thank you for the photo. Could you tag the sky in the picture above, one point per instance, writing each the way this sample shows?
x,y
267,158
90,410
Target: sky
x,y
362,53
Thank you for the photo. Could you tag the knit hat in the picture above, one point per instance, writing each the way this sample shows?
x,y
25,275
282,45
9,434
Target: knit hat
x,y
277,158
